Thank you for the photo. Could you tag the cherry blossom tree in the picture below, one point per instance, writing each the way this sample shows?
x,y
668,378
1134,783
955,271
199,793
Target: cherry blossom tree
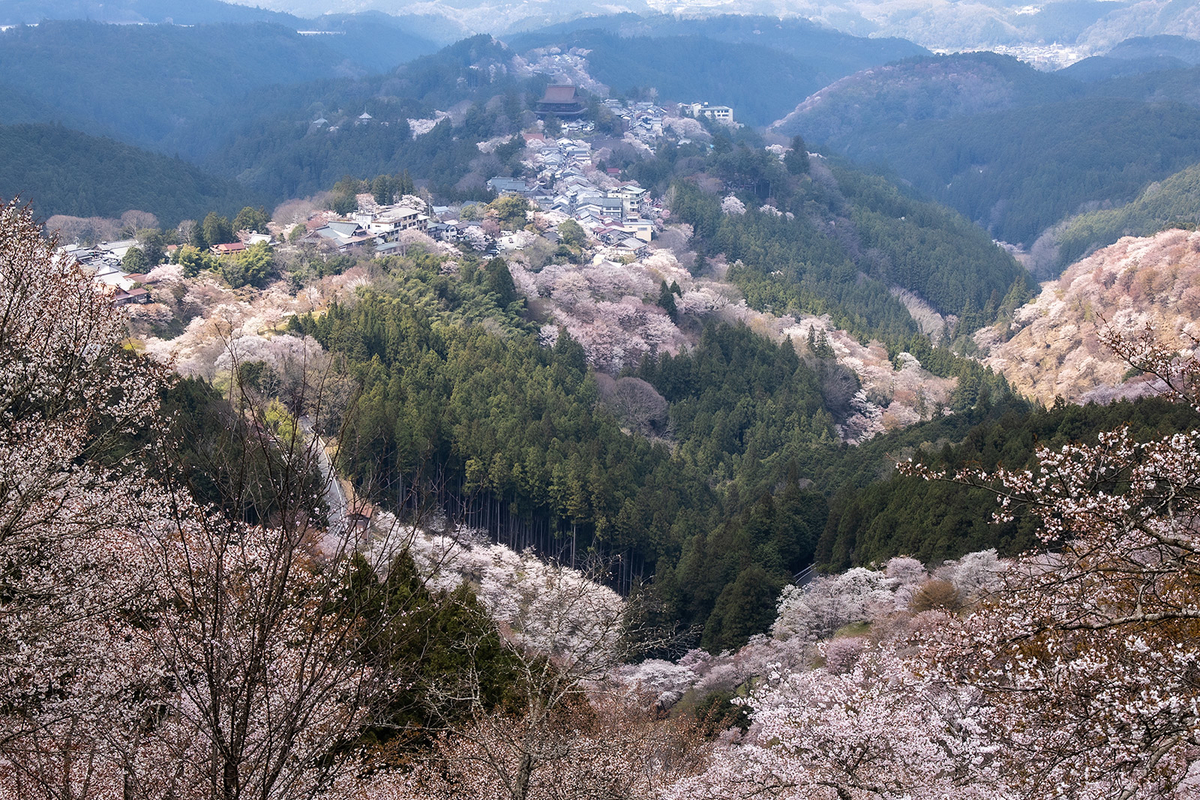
x,y
70,398
151,647
882,729
1087,650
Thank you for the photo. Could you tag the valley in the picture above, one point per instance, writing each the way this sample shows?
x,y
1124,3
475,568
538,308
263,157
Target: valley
x,y
505,401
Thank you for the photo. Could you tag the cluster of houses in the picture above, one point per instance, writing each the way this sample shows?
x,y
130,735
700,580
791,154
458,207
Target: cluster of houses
x,y
643,120
620,217
103,262
617,217
381,224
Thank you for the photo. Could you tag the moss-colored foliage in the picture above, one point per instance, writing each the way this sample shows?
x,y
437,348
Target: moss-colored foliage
x,y
61,171
134,260
745,607
571,234
511,210
252,219
940,520
444,650
254,266
742,407
194,260
716,712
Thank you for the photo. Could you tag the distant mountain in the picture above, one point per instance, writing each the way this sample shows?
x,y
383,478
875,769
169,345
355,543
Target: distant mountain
x,y
832,51
760,66
1177,85
1103,68
276,150
1058,31
1137,56
145,83
61,171
918,89
179,12
1176,47
1018,172
279,151
1010,147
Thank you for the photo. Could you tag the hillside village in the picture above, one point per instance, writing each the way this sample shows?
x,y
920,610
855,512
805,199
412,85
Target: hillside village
x,y
620,217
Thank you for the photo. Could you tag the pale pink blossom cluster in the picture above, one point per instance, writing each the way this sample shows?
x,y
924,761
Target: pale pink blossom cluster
x,y
150,647
1053,348
608,307
732,206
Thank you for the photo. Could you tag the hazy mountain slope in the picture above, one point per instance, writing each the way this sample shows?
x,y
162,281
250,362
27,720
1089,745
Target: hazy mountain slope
x,y
61,171
1055,351
1175,199
180,12
1178,85
940,87
828,49
1179,47
1019,172
693,68
1137,56
1059,31
1011,148
375,41
1103,68
279,152
759,66
372,40
142,83
1144,18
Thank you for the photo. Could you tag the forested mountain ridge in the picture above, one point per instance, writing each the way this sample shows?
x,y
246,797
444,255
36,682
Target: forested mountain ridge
x,y
61,171
798,36
1171,202
1012,149
727,53
1142,54
142,83
928,88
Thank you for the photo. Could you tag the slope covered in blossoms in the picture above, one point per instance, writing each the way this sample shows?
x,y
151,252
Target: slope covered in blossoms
x,y
1051,348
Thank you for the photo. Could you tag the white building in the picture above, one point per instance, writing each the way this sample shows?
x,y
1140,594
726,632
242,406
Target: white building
x,y
719,113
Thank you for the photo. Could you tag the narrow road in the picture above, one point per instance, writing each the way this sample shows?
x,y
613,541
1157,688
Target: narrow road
x,y
335,496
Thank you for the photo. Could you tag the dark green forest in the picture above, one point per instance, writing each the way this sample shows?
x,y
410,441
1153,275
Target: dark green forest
x,y
87,176
853,237
1174,201
941,520
1014,149
144,83
459,403
1018,172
